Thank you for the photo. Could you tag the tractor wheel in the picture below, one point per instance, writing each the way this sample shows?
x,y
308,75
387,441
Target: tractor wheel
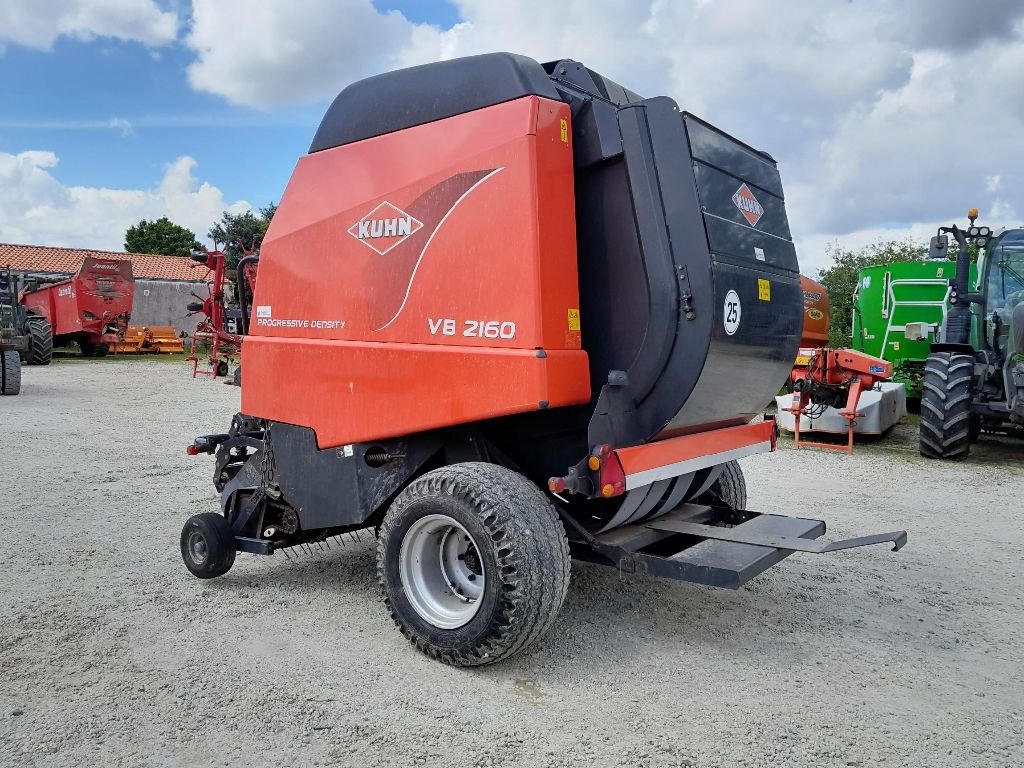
x,y
40,347
730,489
945,431
207,545
10,372
100,350
87,347
474,563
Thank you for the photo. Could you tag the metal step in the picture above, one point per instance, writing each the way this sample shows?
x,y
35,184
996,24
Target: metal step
x,y
714,546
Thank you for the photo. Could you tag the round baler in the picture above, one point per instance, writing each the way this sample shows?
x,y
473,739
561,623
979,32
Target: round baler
x,y
510,313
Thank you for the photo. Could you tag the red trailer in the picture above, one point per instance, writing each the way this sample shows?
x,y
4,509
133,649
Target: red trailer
x,y
91,308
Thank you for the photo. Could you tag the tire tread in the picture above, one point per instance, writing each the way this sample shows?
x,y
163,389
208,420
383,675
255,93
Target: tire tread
x,y
40,351
535,578
946,406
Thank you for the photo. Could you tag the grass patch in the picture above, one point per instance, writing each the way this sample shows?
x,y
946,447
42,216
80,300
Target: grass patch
x,y
73,357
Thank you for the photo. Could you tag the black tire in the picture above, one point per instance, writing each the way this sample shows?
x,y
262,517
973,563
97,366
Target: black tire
x,y
10,372
87,347
522,553
40,345
207,545
101,350
730,489
945,431
222,368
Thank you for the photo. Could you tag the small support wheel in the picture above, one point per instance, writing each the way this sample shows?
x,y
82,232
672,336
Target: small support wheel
x,y
222,368
207,545
474,563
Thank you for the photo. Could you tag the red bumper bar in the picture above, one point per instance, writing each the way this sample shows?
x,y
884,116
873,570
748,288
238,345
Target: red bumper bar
x,y
646,464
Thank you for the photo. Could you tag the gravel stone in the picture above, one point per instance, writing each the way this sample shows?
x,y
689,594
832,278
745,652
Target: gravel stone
x,y
115,656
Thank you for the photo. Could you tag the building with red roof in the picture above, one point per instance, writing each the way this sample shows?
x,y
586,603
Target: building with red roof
x,y
164,285
46,260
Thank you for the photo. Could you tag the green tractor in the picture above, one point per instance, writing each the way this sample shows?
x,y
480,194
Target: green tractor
x,y
974,375
10,339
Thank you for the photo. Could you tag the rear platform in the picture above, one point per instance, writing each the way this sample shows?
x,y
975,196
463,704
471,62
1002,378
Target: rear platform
x,y
714,546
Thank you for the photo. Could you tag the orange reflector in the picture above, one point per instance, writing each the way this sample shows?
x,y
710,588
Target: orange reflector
x,y
594,463
608,491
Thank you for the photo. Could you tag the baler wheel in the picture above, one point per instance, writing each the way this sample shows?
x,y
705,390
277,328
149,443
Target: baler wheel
x,y
10,372
207,545
473,562
40,349
945,431
730,489
222,368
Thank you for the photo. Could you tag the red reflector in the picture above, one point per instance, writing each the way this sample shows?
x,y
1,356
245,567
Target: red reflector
x,y
610,477
192,450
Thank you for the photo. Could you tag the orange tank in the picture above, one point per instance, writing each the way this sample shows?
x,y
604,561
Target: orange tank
x,y
815,333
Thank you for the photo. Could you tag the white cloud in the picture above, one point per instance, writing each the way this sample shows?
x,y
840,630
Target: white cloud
x,y
885,117
268,53
37,208
37,25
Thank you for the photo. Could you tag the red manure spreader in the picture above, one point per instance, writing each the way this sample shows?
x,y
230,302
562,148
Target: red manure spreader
x,y
91,308
510,314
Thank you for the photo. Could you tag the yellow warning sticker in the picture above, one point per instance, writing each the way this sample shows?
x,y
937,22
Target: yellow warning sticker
x,y
574,319
564,125
764,289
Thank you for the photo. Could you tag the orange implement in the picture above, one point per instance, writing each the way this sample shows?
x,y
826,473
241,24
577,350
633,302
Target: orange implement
x,y
156,339
824,374
134,338
164,340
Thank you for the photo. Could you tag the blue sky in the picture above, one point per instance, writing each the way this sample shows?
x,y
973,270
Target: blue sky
x,y
79,99
880,112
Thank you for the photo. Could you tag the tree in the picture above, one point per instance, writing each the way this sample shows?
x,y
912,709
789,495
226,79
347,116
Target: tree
x,y
241,231
840,280
161,236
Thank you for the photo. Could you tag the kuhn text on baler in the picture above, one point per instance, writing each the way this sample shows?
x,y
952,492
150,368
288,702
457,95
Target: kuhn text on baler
x,y
508,312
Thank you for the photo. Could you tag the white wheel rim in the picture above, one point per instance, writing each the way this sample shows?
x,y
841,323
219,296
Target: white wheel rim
x,y
441,571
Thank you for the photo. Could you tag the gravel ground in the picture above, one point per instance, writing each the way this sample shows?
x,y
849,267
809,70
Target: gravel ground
x,y
112,655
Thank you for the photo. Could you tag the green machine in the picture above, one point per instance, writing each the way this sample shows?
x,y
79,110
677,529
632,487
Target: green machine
x,y
897,311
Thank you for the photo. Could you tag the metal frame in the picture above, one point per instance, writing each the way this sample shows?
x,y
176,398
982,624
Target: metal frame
x,y
714,546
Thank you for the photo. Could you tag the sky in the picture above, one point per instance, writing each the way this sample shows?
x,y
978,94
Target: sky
x,y
887,118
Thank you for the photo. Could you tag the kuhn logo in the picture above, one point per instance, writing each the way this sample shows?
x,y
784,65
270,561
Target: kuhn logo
x,y
752,210
384,227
